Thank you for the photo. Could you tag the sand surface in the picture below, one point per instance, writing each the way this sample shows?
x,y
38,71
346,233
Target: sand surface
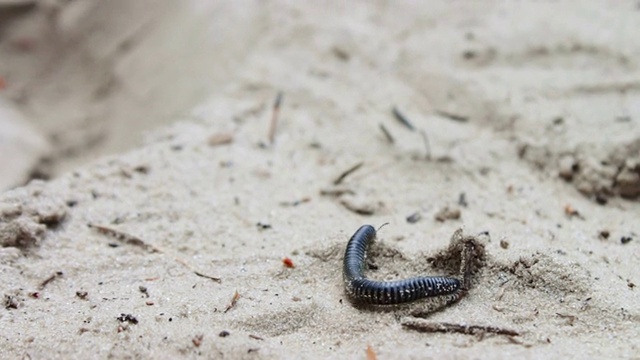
x,y
525,135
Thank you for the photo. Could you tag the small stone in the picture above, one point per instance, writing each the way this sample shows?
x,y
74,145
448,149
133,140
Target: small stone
x,y
447,213
567,166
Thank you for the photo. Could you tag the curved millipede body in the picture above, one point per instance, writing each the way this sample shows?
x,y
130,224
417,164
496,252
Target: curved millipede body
x,y
363,290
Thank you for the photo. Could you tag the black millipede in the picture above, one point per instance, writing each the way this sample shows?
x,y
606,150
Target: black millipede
x,y
366,291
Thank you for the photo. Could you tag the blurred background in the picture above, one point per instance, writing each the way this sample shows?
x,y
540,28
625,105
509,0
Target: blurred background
x,y
81,79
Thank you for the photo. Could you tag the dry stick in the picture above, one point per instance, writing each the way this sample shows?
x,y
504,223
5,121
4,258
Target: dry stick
x,y
274,118
360,210
50,279
342,176
426,144
336,192
196,272
431,327
403,119
124,237
455,117
387,134
233,302
135,241
295,203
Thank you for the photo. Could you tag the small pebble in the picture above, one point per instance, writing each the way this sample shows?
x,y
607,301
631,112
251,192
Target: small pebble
x,y
414,218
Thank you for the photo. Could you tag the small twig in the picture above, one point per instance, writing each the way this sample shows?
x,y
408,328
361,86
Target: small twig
x,y
454,117
462,199
570,318
207,276
336,192
233,302
358,208
256,337
196,272
342,176
403,119
50,279
427,147
124,237
387,134
220,139
296,202
274,117
432,327
515,341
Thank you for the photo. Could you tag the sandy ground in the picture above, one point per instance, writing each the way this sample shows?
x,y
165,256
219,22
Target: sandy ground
x,y
530,112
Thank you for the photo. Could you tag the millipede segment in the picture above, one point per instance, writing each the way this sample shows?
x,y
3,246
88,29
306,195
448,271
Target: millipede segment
x,y
366,291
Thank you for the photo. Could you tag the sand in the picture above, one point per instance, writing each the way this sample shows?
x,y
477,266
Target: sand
x,y
525,135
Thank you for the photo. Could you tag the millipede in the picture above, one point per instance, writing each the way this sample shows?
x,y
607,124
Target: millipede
x,y
395,292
